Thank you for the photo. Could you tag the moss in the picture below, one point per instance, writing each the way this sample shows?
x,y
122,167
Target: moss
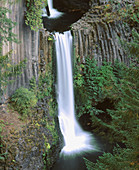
x,y
23,100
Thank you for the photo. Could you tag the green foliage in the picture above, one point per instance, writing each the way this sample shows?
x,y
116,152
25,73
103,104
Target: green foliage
x,y
91,84
132,47
123,126
116,10
7,70
44,90
45,95
88,164
51,38
121,159
6,26
34,13
121,86
2,154
23,100
44,87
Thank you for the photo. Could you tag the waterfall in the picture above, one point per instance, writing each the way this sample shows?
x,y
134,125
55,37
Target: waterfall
x,y
75,139
53,12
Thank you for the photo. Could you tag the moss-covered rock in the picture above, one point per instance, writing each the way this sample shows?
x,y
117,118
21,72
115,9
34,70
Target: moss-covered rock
x,y
33,147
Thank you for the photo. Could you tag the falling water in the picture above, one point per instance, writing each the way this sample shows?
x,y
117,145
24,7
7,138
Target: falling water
x,y
53,12
75,139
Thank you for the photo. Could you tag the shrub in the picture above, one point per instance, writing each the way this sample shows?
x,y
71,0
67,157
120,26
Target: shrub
x,y
34,13
6,27
23,100
92,84
7,70
123,127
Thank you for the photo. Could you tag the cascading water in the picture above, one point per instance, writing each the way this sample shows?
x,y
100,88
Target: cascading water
x,y
76,140
53,12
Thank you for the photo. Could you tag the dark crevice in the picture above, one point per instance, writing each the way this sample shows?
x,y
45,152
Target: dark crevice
x,y
106,104
73,11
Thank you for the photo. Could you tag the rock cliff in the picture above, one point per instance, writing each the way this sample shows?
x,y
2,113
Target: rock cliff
x,y
92,36
27,48
99,38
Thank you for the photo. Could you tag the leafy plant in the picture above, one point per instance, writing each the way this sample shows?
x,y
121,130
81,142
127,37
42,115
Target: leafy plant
x,y
89,83
23,100
34,13
132,47
6,26
7,70
3,154
123,126
121,87
122,158
116,10
45,95
44,90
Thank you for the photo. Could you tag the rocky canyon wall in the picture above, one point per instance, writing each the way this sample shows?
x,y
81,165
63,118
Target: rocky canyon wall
x,y
27,48
92,37
96,37
100,42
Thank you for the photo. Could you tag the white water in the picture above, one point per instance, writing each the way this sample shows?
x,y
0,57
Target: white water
x,y
75,139
53,12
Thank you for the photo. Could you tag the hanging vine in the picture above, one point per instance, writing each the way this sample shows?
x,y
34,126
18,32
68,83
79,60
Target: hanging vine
x,y
33,16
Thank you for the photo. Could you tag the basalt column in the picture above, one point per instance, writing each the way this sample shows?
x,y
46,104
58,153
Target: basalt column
x,y
27,48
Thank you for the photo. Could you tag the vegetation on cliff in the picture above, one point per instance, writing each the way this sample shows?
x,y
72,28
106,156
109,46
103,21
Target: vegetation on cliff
x,y
32,133
6,26
7,68
34,13
36,113
109,95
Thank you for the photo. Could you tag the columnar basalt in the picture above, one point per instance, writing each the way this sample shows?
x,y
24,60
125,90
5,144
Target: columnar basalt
x,y
26,48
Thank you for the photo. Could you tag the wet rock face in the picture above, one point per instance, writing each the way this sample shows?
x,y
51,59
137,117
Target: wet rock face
x,y
73,11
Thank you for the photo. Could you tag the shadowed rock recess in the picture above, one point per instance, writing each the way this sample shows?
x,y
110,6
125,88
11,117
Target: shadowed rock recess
x,y
72,9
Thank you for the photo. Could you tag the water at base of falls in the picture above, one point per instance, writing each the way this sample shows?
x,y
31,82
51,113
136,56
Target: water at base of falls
x,y
76,140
